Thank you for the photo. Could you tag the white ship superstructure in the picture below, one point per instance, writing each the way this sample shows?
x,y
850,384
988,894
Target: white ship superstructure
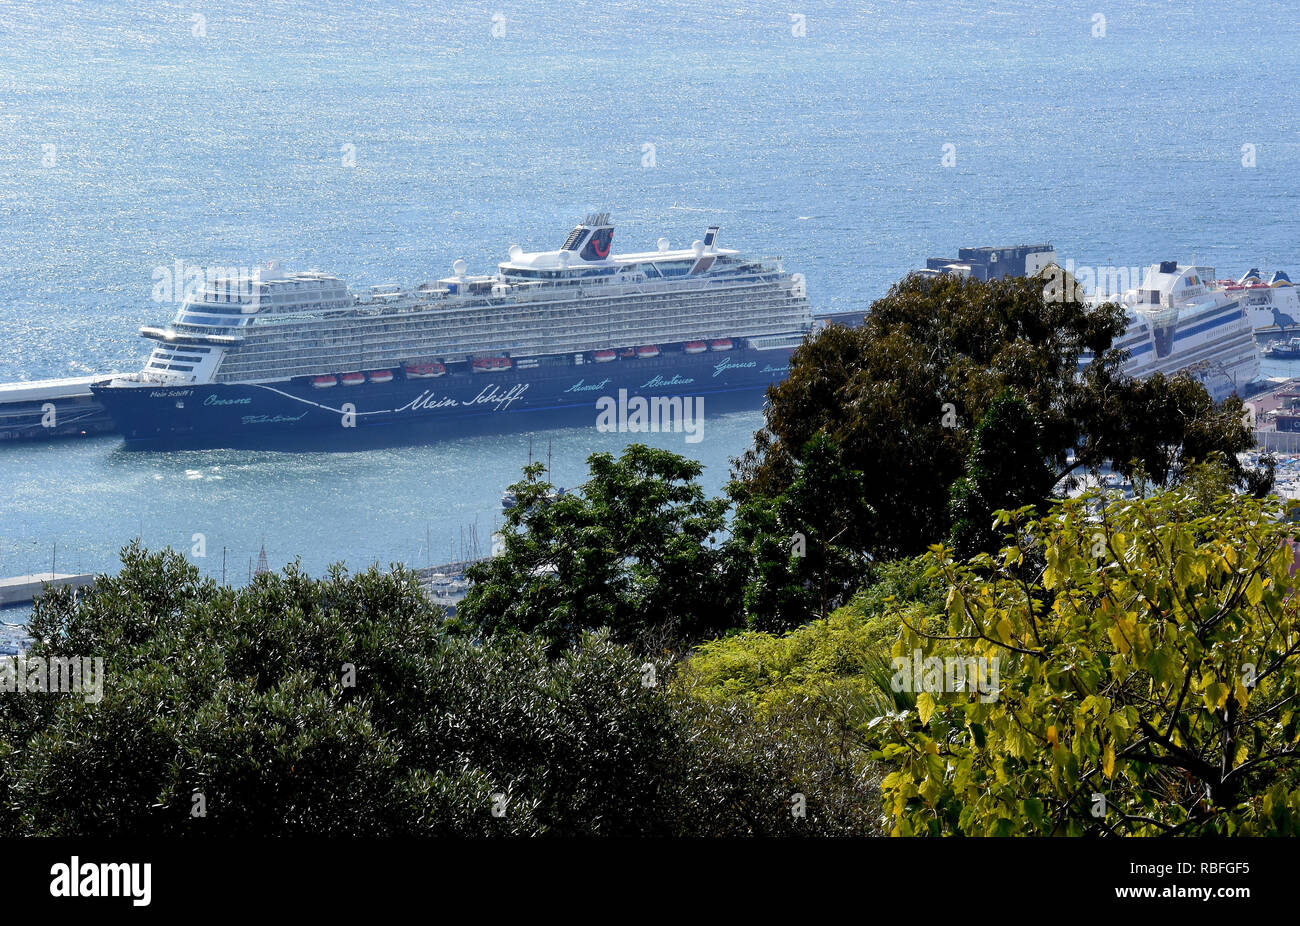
x,y
538,306
1179,320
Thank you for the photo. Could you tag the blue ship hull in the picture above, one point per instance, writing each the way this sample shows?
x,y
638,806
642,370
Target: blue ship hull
x,y
295,413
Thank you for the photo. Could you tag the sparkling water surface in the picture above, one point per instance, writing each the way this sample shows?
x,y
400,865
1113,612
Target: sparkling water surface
x,y
381,141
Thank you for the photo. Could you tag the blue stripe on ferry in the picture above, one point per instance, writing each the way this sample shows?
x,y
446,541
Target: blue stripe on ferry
x,y
1207,325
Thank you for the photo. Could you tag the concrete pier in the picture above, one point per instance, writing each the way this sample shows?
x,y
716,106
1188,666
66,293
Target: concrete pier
x,y
22,589
45,409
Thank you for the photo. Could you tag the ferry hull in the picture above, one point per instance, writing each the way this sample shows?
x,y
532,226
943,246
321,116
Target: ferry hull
x,y
288,412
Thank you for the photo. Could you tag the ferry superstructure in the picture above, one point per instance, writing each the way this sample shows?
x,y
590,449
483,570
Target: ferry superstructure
x,y
1181,320
1273,306
549,331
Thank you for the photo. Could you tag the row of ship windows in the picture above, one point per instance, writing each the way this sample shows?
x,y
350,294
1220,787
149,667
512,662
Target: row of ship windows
x,y
297,362
181,359
522,336
747,305
341,302
487,315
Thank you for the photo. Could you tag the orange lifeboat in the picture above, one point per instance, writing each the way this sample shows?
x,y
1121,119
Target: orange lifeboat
x,y
490,364
353,379
647,352
324,382
695,347
380,376
721,344
605,356
424,370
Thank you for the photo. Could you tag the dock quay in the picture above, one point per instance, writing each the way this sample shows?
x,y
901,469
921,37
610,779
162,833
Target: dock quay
x,y
23,589
45,409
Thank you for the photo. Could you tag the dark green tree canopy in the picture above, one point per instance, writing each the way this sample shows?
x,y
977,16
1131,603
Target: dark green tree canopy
x,y
341,706
800,552
632,550
1006,469
902,395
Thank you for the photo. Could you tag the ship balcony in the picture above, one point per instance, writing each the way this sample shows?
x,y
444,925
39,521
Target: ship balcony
x,y
171,336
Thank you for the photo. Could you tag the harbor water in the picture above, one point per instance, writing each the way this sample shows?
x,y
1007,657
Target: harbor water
x,y
383,141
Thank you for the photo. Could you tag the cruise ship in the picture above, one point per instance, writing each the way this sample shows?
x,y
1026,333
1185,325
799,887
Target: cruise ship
x,y
549,332
1181,320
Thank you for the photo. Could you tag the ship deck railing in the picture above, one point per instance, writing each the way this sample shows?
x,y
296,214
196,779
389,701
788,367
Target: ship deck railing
x,y
560,328
293,360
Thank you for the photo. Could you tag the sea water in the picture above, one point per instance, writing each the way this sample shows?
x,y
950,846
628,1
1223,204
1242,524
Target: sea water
x,y
382,141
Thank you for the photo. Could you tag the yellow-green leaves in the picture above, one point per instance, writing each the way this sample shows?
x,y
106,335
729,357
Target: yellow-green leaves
x,y
1255,589
1005,633
925,706
1130,674
1214,695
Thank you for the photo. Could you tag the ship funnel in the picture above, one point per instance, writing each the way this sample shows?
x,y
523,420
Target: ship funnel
x,y
593,239
711,237
1252,276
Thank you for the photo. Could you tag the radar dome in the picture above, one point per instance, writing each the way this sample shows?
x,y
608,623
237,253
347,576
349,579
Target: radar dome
x,y
459,268
516,252
663,244
698,247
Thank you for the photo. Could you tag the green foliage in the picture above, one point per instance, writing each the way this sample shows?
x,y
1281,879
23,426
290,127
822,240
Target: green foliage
x,y
1007,470
632,551
1152,664
825,681
1164,426
244,697
797,550
879,393
826,668
835,661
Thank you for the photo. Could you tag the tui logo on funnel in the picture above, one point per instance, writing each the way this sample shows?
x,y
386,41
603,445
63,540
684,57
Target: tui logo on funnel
x,y
598,244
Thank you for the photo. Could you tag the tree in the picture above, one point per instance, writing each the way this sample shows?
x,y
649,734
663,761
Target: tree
x,y
901,396
341,706
632,550
1145,683
798,551
1007,470
1163,426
